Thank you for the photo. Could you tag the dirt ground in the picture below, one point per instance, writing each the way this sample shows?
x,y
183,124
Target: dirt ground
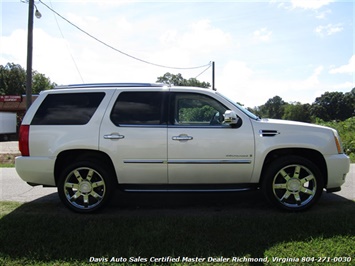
x,y
8,152
8,158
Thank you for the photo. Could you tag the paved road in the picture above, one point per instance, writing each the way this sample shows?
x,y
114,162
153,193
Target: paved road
x,y
12,188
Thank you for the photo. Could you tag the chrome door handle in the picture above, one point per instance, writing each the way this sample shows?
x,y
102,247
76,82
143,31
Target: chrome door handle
x,y
113,136
182,137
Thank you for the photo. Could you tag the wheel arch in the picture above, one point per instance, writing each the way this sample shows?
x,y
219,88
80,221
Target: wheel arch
x,y
312,155
71,156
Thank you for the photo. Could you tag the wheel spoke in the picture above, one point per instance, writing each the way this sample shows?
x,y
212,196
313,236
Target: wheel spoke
x,y
298,198
78,176
307,191
75,196
86,200
280,186
89,175
297,171
286,196
307,179
72,185
98,184
95,195
285,175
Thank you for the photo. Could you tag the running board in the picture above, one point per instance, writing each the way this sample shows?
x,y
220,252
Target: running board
x,y
186,188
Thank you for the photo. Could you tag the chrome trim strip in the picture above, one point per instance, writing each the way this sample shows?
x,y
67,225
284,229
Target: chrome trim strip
x,y
105,85
222,161
143,126
183,161
189,190
201,126
144,161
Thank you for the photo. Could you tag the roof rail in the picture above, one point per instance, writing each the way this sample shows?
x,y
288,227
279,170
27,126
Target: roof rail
x,y
95,85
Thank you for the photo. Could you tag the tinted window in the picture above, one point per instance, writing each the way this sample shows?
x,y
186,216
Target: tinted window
x,y
138,108
67,109
192,109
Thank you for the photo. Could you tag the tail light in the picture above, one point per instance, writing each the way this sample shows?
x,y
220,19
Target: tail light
x,y
23,142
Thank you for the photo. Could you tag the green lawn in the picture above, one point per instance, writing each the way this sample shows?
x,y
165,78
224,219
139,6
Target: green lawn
x,y
48,234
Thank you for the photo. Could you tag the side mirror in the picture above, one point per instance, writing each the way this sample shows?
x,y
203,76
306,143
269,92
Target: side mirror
x,y
230,117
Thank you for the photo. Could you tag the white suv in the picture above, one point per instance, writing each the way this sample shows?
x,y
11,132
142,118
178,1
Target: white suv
x,y
89,139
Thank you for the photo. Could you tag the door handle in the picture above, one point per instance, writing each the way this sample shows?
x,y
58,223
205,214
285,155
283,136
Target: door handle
x,y
114,136
182,137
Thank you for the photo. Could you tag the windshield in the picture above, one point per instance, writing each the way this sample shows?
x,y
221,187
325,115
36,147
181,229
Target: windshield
x,y
241,108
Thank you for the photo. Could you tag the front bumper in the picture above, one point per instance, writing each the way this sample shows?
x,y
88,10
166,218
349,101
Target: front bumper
x,y
338,166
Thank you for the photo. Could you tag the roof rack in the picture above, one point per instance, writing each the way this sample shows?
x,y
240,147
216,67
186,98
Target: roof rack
x,y
95,85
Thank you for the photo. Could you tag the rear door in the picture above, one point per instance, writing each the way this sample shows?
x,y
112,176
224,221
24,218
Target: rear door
x,y
134,134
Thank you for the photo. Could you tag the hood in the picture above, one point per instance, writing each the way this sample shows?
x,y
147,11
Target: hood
x,y
279,122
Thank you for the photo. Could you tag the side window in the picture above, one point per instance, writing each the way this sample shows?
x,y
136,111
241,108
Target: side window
x,y
138,108
67,108
192,109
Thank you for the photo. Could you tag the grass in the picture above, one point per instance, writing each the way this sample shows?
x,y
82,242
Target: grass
x,y
48,234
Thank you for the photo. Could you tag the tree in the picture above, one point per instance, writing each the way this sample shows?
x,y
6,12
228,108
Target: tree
x,y
13,80
41,82
297,112
333,106
350,100
178,80
273,108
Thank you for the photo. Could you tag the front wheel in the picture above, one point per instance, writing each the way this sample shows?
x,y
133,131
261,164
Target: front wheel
x,y
292,183
84,187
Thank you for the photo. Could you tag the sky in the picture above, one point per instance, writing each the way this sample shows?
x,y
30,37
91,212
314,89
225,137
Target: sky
x,y
295,49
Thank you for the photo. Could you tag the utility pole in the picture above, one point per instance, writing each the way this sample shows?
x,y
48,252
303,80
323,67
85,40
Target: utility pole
x,y
213,87
29,55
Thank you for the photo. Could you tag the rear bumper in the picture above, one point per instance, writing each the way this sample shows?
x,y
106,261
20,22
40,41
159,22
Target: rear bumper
x,y
36,170
338,166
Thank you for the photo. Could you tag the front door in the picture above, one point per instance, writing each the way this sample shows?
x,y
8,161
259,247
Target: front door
x,y
203,150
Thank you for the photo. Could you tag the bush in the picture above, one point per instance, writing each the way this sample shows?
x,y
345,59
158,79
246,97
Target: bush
x,y
346,130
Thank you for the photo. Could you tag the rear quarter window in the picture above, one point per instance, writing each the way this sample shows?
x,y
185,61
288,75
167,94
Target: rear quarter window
x,y
67,108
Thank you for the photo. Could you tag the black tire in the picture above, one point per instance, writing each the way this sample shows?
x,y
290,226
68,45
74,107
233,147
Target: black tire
x,y
85,187
292,183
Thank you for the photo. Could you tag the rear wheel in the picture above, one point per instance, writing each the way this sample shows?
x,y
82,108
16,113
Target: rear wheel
x,y
85,187
293,183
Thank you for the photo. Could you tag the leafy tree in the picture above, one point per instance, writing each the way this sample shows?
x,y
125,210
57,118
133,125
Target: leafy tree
x,y
297,112
273,108
329,106
178,80
350,100
203,113
41,82
333,106
13,80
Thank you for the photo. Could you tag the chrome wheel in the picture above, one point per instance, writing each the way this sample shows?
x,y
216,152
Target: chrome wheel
x,y
294,186
292,183
85,186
